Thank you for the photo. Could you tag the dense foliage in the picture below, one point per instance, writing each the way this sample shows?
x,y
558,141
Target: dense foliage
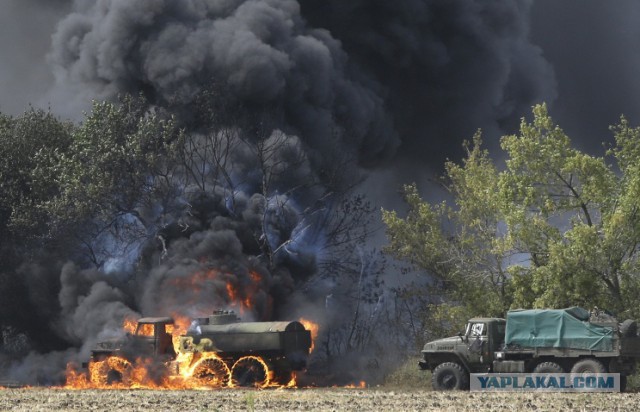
x,y
554,227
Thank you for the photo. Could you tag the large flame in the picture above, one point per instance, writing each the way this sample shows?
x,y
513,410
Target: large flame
x,y
311,327
236,295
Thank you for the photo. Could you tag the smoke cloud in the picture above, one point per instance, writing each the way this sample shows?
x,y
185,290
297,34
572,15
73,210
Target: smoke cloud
x,y
263,51
445,68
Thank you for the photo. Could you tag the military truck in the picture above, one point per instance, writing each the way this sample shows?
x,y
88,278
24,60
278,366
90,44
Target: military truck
x,y
534,341
244,351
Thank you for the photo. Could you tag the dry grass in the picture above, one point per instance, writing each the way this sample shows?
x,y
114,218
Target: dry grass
x,y
409,376
325,399
406,389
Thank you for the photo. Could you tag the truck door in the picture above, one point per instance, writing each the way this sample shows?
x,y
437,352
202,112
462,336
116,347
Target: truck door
x,y
164,344
496,338
477,343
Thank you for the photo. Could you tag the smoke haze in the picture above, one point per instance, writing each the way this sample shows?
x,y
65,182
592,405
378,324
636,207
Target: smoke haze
x,y
593,48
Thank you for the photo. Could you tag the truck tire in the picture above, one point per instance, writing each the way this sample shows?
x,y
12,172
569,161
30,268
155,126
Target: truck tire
x,y
212,372
588,365
629,328
250,371
548,367
623,383
449,376
112,370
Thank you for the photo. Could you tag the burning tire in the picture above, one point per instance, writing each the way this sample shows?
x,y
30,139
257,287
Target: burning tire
x,y
113,370
283,376
250,371
212,372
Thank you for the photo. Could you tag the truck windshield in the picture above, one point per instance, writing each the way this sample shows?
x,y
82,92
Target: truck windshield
x,y
145,329
476,329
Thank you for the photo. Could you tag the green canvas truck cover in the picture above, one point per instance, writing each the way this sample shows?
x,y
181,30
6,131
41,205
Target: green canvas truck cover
x,y
557,328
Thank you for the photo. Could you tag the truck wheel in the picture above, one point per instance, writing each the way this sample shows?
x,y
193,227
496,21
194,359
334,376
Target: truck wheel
x,y
112,370
250,371
588,365
623,383
548,367
449,376
629,328
212,372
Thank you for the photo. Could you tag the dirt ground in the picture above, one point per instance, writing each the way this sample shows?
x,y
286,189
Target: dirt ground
x,y
333,399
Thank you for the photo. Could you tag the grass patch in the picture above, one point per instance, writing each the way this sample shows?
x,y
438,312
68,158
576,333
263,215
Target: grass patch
x,y
250,401
408,376
633,382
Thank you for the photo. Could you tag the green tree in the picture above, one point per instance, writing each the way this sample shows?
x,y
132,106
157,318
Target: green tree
x,y
557,227
117,170
29,144
558,205
461,247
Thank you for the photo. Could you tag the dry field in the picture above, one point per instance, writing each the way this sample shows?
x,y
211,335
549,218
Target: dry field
x,y
332,399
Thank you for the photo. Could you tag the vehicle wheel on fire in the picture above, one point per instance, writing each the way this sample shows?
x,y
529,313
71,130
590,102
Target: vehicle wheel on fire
x,y
212,372
548,367
250,371
112,370
588,365
282,376
449,376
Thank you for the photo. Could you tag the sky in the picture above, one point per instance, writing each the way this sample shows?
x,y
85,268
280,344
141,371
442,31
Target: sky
x,y
594,48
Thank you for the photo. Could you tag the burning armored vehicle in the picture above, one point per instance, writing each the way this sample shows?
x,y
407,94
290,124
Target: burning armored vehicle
x,y
215,351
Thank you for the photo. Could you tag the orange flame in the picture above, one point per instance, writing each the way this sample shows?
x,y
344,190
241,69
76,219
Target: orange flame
x,y
231,292
359,385
293,383
313,328
251,365
129,325
240,295
255,276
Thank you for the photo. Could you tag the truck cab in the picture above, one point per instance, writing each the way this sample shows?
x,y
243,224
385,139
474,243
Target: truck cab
x,y
473,349
152,337
484,336
569,340
156,334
